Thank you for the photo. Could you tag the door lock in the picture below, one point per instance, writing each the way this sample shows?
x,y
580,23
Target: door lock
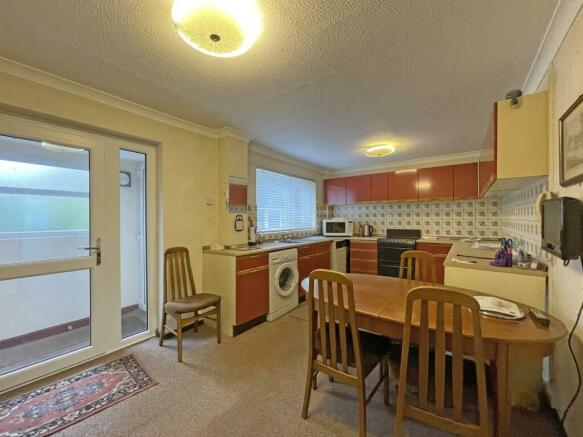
x,y
96,248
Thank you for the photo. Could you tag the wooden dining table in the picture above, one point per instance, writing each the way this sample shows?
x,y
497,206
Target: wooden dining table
x,y
380,303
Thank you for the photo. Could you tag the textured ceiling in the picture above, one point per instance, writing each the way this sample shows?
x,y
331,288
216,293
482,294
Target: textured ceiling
x,y
325,77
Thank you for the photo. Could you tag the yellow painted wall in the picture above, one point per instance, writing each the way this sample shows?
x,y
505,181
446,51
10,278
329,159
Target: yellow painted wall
x,y
565,83
232,162
188,162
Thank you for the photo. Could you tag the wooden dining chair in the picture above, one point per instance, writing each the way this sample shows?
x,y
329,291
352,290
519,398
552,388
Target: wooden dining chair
x,y
181,299
446,311
336,346
418,265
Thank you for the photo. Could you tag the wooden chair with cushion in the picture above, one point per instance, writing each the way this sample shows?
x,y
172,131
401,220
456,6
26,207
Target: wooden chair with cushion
x,y
336,346
181,300
450,313
420,266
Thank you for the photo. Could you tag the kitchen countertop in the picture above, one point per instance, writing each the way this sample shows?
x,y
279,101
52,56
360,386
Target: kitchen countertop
x,y
465,248
272,246
458,247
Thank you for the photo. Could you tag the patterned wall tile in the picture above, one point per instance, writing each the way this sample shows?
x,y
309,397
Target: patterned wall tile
x,y
468,218
518,219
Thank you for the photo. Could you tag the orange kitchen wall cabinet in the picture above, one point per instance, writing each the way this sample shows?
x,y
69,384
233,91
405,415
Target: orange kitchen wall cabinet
x,y
335,190
436,183
465,181
487,162
379,185
358,189
403,186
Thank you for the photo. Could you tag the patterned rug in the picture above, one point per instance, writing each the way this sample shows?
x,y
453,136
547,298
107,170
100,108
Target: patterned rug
x,y
56,406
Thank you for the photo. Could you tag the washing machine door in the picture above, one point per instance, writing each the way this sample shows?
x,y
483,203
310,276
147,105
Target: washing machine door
x,y
286,279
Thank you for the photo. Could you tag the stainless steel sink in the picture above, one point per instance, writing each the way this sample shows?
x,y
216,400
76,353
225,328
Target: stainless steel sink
x,y
244,248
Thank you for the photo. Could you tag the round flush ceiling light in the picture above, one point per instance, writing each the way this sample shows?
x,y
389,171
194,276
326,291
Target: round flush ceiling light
x,y
380,150
221,28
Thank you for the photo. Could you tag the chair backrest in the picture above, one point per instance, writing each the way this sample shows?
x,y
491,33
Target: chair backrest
x,y
178,279
447,311
418,265
332,317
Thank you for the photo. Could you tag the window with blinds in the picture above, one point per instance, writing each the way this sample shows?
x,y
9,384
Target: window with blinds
x,y
284,203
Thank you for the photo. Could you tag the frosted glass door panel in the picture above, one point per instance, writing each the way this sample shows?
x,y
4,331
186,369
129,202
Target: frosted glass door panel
x,y
44,201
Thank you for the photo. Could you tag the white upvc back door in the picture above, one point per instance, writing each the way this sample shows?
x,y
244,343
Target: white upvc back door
x,y
56,282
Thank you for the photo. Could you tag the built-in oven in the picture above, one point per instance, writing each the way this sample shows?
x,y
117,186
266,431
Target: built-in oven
x,y
389,257
337,227
390,248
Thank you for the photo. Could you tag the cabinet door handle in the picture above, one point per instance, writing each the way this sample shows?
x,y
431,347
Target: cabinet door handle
x,y
259,255
253,270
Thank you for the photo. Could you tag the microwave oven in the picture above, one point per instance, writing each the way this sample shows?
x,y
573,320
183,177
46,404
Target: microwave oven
x,y
562,227
337,227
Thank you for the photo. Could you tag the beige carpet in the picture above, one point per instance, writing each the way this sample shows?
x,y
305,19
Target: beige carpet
x,y
251,385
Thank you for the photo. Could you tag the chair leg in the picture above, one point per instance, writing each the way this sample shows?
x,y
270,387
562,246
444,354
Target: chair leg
x,y
219,323
162,327
308,389
361,410
179,337
315,381
195,322
385,365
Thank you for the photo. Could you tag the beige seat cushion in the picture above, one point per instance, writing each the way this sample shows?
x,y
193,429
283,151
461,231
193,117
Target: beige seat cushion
x,y
193,303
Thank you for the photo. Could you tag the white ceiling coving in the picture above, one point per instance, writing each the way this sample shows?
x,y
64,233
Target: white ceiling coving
x,y
325,78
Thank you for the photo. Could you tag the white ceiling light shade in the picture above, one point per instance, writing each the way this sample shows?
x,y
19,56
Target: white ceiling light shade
x,y
378,150
221,28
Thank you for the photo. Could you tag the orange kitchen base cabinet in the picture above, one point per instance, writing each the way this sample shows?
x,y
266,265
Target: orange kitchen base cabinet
x,y
363,257
312,257
252,296
439,252
243,284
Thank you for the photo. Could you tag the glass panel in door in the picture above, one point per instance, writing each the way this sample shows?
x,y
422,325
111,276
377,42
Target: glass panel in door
x,y
44,201
50,206
134,296
43,317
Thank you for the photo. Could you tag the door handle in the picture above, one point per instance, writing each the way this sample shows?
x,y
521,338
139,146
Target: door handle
x,y
96,248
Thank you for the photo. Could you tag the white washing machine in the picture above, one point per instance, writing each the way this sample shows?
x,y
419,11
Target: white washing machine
x,y
283,282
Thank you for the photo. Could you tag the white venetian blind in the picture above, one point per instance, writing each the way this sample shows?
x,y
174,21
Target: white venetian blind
x,y
284,203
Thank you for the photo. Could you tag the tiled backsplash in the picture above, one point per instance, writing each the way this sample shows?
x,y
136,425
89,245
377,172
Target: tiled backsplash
x,y
322,212
512,216
518,218
468,218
